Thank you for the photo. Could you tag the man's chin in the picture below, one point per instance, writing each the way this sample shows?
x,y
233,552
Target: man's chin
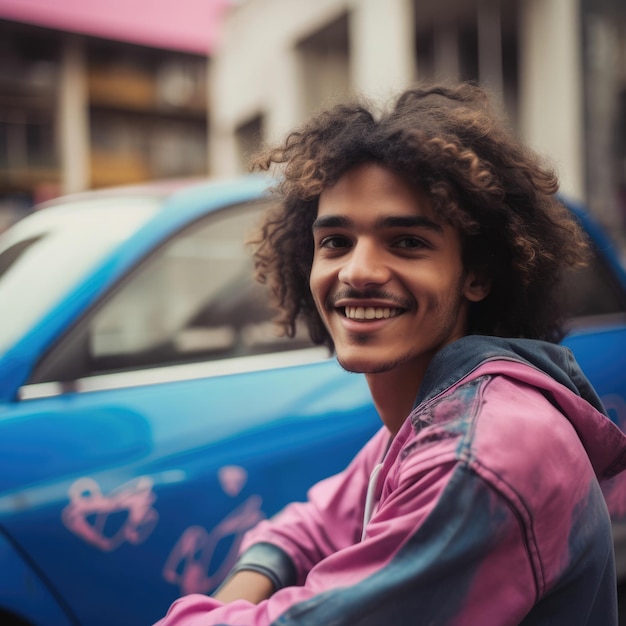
x,y
364,366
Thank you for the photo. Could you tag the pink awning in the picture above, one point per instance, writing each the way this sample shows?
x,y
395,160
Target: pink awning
x,y
187,25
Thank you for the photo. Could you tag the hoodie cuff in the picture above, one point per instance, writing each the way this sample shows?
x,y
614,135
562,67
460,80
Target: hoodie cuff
x,y
269,560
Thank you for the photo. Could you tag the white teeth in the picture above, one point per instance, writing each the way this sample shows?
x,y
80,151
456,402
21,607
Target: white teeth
x,y
369,312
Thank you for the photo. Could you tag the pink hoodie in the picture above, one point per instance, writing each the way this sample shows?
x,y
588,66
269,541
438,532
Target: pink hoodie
x,y
486,509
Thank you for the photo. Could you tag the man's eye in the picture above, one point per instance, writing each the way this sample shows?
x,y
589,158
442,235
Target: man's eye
x,y
334,242
410,243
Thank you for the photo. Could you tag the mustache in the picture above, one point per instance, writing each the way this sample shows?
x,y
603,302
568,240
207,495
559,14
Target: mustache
x,y
349,293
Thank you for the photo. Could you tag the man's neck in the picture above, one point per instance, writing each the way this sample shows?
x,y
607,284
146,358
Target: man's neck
x,y
394,393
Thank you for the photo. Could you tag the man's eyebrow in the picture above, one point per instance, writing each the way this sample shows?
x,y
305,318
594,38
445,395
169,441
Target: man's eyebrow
x,y
397,221
409,221
331,221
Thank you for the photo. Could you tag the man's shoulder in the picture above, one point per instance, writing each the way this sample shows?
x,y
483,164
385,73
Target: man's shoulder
x,y
507,431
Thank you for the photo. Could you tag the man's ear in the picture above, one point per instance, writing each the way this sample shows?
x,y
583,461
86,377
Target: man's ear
x,y
477,285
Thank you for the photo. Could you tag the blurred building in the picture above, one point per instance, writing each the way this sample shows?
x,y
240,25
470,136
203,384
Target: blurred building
x,y
95,94
558,67
98,94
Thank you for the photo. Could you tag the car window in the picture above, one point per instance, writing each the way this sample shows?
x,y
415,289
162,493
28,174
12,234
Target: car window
x,y
195,298
9,256
68,240
592,291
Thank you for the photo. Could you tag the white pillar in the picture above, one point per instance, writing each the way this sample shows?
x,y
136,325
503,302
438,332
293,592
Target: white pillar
x,y
551,94
382,46
73,117
223,153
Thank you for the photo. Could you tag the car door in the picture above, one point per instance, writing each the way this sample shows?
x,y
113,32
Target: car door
x,y
596,303
167,421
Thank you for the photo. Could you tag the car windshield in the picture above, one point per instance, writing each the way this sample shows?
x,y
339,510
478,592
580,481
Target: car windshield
x,y
44,255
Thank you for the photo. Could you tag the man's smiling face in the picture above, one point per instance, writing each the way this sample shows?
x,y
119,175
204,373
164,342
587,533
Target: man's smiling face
x,y
387,276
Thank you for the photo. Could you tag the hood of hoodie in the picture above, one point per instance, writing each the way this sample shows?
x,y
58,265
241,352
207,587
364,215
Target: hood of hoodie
x,y
547,366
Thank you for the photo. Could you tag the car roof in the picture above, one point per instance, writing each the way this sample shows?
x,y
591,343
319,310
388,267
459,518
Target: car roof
x,y
157,189
179,203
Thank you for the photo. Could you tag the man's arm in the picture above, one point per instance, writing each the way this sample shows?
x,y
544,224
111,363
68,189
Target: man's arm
x,y
286,547
245,585
440,548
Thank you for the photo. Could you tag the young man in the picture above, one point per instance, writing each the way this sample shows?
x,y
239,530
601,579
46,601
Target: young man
x,y
424,246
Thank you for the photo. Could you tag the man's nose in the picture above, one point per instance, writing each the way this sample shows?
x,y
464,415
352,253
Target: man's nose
x,y
364,265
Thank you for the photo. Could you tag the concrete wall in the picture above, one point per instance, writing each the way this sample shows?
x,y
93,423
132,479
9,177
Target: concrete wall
x,y
259,69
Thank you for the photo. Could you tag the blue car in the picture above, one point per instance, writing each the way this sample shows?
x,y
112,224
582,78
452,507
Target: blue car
x,y
149,414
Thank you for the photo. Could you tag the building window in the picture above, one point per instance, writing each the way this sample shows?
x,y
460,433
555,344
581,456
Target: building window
x,y
324,60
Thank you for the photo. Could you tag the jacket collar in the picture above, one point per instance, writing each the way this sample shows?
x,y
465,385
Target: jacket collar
x,y
460,358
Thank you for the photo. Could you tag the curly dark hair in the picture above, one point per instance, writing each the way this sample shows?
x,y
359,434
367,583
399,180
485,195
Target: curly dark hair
x,y
479,177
